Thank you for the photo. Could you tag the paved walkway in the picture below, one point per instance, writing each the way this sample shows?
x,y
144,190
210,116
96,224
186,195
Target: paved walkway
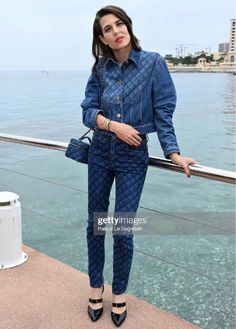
x,y
44,293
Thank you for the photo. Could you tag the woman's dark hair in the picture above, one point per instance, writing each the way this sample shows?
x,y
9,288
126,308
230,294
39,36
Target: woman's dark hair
x,y
98,47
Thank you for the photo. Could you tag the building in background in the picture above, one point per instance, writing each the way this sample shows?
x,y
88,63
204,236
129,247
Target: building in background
x,y
223,47
232,48
218,56
231,54
222,61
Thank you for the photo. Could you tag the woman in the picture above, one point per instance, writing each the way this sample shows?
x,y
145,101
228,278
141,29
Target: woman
x,y
128,95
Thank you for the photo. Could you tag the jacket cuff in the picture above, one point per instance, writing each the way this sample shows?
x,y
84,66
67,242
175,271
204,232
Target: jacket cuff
x,y
94,117
168,152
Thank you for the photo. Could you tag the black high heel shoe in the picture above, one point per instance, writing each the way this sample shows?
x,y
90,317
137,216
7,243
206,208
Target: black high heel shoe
x,y
95,314
118,319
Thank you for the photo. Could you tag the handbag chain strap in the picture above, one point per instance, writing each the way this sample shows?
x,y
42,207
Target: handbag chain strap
x,y
84,136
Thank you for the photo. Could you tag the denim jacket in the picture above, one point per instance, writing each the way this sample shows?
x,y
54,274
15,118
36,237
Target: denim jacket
x,y
140,92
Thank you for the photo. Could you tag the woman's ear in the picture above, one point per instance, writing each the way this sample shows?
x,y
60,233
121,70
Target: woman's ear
x,y
103,40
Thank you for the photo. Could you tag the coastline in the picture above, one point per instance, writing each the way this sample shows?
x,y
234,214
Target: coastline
x,y
203,69
192,69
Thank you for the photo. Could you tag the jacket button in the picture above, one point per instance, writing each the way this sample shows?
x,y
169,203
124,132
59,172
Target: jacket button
x,y
117,98
118,115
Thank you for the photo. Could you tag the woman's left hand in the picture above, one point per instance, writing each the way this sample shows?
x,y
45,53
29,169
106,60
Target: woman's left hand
x,y
183,162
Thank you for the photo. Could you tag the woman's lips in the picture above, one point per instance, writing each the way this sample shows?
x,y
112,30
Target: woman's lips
x,y
119,39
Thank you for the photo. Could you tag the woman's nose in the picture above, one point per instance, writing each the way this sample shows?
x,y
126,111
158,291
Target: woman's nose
x,y
115,30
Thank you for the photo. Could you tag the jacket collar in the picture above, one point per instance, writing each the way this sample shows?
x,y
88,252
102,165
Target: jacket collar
x,y
133,57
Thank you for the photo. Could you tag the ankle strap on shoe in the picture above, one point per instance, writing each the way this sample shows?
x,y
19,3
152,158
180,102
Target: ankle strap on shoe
x,y
95,301
119,304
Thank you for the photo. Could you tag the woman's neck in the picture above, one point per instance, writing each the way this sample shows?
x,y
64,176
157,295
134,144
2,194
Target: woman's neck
x,y
122,55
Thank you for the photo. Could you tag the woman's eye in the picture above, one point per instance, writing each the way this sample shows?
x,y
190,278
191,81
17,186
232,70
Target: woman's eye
x,y
120,23
107,29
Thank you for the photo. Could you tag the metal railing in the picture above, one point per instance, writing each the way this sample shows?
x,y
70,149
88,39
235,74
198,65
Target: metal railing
x,y
196,170
201,171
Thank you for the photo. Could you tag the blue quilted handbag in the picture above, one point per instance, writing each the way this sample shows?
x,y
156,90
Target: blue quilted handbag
x,y
78,149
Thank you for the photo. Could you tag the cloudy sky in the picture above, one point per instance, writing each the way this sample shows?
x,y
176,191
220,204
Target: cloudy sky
x,y
57,34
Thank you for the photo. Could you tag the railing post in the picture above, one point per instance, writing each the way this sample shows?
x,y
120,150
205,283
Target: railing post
x,y
11,253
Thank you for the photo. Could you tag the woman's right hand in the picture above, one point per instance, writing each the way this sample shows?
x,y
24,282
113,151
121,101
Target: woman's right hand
x,y
125,132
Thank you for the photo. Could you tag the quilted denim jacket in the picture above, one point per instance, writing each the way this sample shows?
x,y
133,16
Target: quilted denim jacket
x,y
140,92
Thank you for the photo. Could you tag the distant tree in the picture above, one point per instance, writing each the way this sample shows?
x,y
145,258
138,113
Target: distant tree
x,y
221,59
168,56
210,58
187,60
194,60
172,59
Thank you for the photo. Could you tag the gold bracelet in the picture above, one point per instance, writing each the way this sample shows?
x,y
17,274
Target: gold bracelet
x,y
105,124
108,125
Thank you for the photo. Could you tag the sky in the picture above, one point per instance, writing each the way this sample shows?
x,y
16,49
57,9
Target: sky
x,y
57,34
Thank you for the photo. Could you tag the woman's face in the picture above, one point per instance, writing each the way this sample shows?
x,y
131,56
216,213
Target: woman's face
x,y
114,32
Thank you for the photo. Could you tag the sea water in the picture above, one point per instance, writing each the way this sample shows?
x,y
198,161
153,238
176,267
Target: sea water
x,y
186,263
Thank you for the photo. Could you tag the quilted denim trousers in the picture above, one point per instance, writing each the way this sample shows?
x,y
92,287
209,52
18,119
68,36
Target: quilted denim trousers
x,y
109,159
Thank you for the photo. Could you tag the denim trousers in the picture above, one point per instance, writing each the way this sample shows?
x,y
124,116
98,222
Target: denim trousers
x,y
112,159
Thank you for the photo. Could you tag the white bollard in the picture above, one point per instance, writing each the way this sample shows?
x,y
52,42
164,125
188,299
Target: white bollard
x,y
11,253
